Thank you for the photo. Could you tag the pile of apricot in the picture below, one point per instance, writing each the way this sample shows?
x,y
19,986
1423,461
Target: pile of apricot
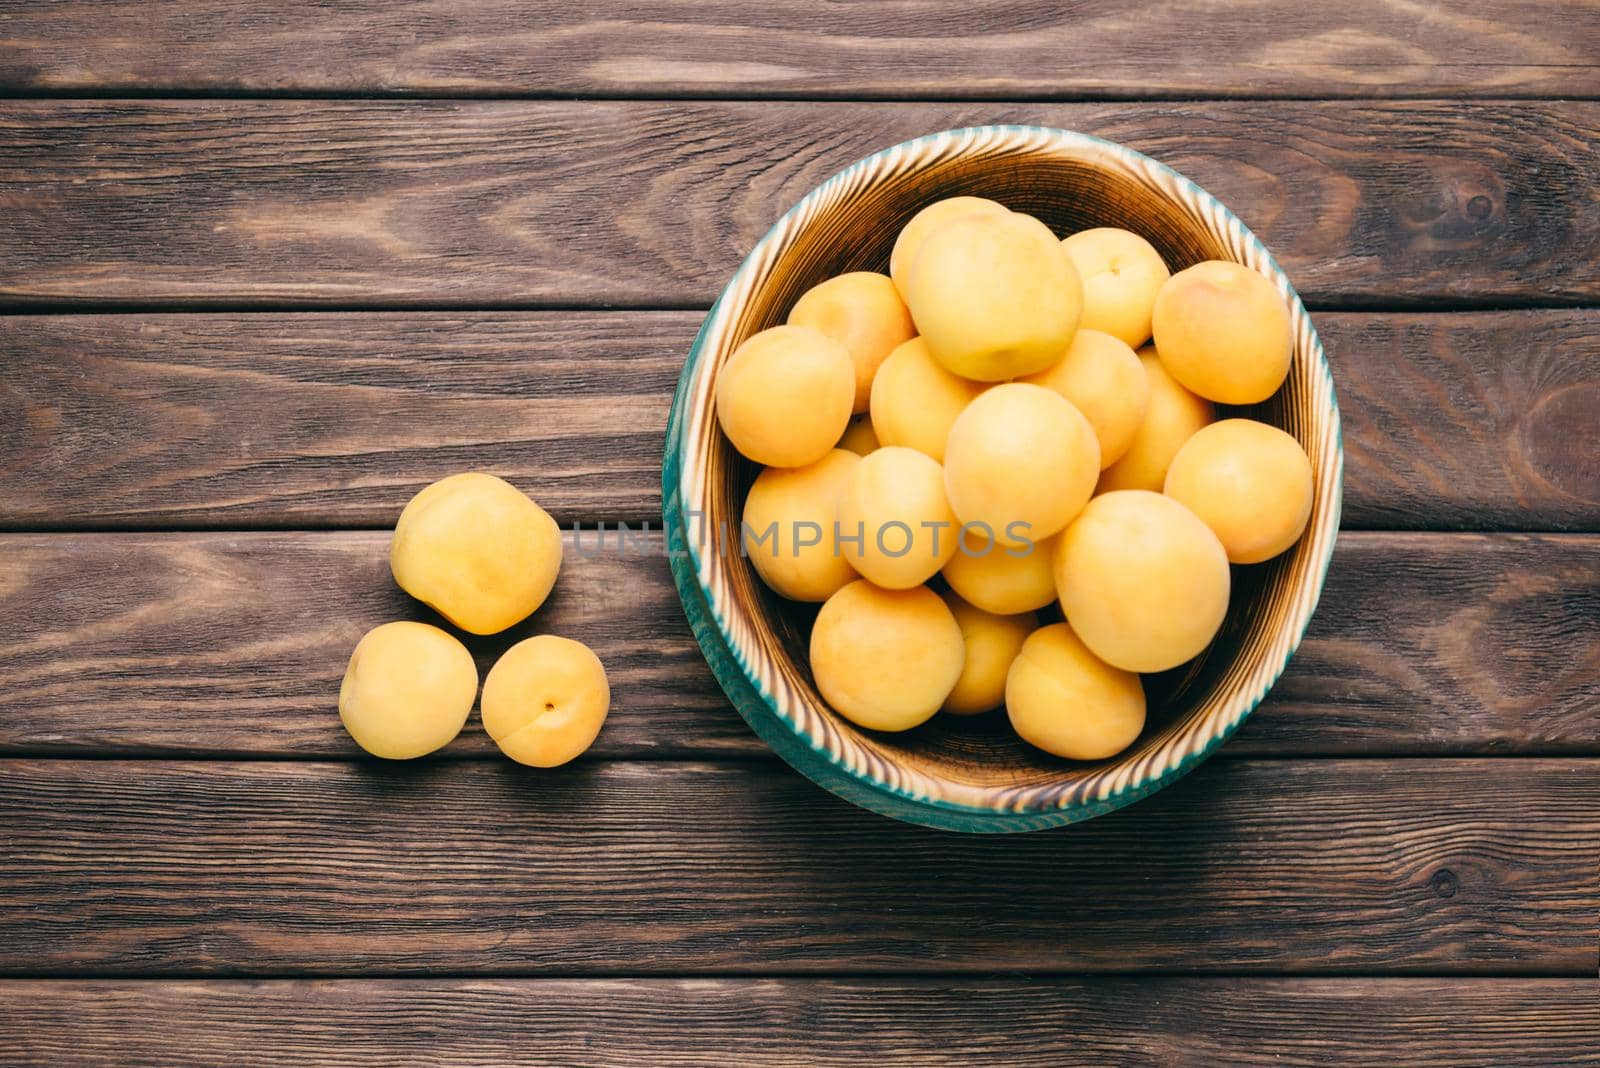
x,y
986,432
483,555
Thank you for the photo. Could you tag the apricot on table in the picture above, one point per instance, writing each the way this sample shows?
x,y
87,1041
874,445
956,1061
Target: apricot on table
x,y
1224,332
914,399
478,550
1249,482
407,690
1067,701
994,296
1002,579
788,527
1172,416
1142,580
545,700
863,312
784,397
925,222
1022,461
1104,380
992,642
895,524
886,659
1121,273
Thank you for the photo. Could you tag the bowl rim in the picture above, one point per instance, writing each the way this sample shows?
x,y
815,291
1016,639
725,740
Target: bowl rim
x,y
728,664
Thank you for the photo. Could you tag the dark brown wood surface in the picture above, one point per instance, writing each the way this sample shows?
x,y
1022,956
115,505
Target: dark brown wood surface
x,y
563,203
231,644
1482,420
648,868
808,1023
910,48
252,299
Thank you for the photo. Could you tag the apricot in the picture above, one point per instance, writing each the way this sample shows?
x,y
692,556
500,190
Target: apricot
x,y
544,700
1022,460
407,690
991,642
1224,332
1249,482
1121,273
1104,380
914,399
788,527
1142,580
1005,580
994,296
1070,703
886,659
924,222
863,312
895,525
859,437
478,550
1172,416
784,396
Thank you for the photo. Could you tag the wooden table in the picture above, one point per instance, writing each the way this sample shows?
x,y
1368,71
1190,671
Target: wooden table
x,y
267,273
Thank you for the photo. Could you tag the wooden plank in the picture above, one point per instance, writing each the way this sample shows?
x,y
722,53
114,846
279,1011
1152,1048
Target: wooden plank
x,y
914,48
198,869
234,644
1475,420
495,203
806,1023
269,420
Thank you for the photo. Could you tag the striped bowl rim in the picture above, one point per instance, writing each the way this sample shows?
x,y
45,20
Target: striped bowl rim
x,y
780,705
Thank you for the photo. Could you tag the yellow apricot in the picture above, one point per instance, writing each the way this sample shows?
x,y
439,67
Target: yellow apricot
x,y
886,659
784,396
1004,580
1249,482
925,222
1171,418
914,399
991,643
1022,460
407,691
478,550
1122,273
895,525
1224,332
544,700
1143,582
788,527
1068,702
1104,380
859,437
863,312
994,296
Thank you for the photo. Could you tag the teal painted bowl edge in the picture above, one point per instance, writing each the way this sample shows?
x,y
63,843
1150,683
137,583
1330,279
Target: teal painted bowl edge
x,y
757,707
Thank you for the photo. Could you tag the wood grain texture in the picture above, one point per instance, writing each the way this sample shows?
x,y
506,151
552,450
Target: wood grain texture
x,y
912,48
1326,866
234,644
1478,420
805,1023
269,420
462,204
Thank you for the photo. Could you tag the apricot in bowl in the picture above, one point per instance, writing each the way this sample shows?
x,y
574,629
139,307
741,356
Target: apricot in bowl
x,y
974,773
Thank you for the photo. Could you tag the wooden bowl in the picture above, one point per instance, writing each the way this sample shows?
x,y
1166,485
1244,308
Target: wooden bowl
x,y
974,774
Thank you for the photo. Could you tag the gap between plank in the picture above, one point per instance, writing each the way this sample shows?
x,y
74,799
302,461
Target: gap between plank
x,y
959,971
1368,305
157,94
730,759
